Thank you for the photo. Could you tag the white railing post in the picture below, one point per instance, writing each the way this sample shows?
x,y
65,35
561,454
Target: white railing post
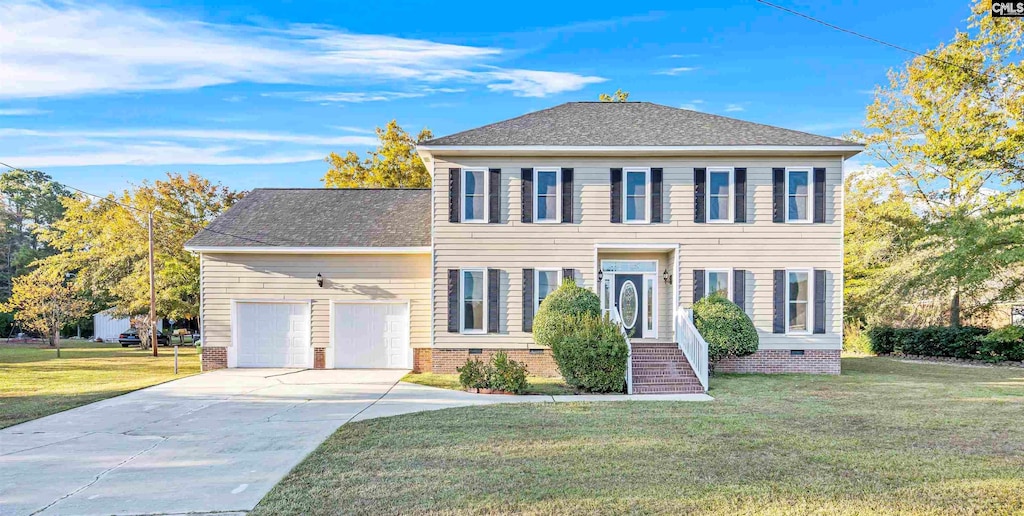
x,y
692,344
613,314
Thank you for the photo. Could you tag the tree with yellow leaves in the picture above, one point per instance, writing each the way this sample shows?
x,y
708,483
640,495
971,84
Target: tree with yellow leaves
x,y
43,301
394,164
618,96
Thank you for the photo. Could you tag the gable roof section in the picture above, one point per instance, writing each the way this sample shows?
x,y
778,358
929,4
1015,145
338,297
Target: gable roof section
x,y
628,124
324,218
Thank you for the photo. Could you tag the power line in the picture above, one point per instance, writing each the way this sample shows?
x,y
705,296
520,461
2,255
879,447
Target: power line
x,y
69,187
886,43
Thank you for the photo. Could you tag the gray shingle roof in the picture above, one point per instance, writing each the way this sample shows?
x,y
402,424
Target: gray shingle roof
x,y
323,217
629,124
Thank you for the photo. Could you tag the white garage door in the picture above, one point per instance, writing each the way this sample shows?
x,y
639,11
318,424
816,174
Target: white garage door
x,y
371,335
273,335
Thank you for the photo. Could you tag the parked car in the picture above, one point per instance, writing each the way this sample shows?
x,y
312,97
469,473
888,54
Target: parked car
x,y
130,337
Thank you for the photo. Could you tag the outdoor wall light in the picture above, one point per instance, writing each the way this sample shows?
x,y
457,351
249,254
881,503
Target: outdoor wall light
x,y
320,279
667,277
600,275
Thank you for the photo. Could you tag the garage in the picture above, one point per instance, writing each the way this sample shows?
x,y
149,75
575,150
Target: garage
x,y
371,336
272,334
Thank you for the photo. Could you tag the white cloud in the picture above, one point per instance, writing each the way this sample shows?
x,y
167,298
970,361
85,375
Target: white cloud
x,y
22,112
693,105
676,71
732,108
360,96
194,134
158,154
73,49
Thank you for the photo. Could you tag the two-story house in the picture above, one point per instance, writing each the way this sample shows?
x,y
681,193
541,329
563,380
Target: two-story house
x,y
650,206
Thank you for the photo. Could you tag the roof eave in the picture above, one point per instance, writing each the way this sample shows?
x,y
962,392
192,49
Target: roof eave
x,y
305,250
428,151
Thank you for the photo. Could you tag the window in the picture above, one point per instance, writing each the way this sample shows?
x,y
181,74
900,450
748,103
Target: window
x,y
798,195
798,305
719,195
636,195
546,281
474,294
547,191
718,282
474,195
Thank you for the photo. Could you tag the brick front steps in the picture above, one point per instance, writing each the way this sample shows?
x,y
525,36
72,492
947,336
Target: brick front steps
x,y
661,368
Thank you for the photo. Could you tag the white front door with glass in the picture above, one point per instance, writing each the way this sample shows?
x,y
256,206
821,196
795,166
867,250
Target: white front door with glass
x,y
631,286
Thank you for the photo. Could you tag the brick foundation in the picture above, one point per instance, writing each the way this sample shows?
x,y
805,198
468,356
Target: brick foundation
x,y
444,361
214,358
814,361
319,358
422,361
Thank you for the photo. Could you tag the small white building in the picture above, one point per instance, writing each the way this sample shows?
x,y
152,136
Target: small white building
x,y
108,327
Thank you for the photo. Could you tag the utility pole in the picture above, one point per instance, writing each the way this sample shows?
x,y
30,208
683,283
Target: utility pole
x,y
152,288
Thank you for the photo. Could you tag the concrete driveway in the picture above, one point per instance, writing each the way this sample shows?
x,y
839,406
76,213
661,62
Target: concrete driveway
x,y
213,442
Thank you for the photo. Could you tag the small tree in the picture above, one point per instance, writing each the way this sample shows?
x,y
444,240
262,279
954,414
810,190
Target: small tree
x,y
394,164
42,301
618,96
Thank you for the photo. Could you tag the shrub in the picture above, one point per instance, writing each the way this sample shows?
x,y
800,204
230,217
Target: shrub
x,y
507,375
935,341
855,339
883,339
474,374
567,301
592,354
1006,343
726,328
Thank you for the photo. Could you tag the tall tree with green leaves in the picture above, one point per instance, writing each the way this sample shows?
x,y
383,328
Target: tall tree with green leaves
x,y
105,244
31,202
948,128
394,164
618,96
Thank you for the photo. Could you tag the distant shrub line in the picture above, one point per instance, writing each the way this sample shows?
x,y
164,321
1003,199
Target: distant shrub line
x,y
966,343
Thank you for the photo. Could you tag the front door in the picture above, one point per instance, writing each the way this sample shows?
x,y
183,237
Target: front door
x,y
629,301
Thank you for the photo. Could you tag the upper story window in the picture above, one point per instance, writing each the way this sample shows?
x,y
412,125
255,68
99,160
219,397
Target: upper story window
x,y
798,296
798,195
718,282
637,195
474,293
719,194
474,195
548,192
547,281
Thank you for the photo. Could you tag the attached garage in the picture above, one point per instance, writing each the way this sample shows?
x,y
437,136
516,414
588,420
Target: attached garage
x,y
371,336
272,334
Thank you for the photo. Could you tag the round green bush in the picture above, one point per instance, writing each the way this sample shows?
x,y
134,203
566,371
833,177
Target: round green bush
x,y
726,328
568,300
592,354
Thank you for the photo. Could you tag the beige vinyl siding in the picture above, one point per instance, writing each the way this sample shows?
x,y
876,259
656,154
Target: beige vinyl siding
x,y
397,277
758,246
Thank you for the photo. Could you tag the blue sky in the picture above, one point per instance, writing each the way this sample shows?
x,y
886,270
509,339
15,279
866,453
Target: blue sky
x,y
252,94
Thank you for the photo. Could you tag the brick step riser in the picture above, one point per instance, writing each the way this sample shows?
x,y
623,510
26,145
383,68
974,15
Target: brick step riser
x,y
667,391
666,384
663,378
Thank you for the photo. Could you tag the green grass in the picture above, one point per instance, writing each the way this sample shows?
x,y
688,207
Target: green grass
x,y
886,437
35,383
538,384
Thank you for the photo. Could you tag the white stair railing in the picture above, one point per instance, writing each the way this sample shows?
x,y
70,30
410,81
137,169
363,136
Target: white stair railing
x,y
616,317
692,345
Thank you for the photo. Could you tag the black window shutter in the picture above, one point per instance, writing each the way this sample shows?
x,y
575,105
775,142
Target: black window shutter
x,y
527,194
453,301
740,191
819,301
569,274
778,195
566,195
616,200
454,194
494,196
819,195
698,284
657,207
779,302
700,177
493,295
528,300
739,288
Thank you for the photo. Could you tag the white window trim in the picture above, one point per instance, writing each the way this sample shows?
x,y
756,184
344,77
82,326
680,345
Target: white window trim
x,y
558,195
810,302
731,217
728,282
462,300
536,285
810,194
647,194
462,193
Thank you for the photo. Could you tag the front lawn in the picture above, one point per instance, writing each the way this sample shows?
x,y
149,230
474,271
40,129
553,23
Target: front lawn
x,y
538,384
885,437
35,383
